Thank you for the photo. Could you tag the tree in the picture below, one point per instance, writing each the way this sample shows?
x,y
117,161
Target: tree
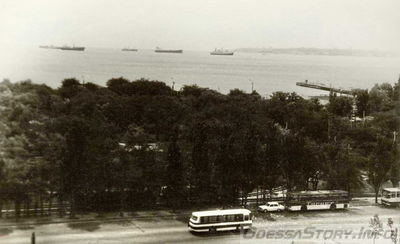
x,y
175,191
201,168
102,148
341,165
269,175
119,85
340,106
380,97
74,166
380,160
362,103
69,88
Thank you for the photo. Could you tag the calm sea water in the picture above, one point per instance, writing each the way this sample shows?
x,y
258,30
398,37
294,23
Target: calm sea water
x,y
268,73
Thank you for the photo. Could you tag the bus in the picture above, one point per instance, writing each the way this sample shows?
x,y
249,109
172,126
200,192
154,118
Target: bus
x,y
391,197
220,220
317,200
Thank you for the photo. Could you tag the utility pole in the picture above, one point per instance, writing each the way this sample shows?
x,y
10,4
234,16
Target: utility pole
x,y
363,117
33,238
173,83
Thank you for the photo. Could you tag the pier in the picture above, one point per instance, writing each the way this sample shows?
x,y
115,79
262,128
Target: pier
x,y
324,87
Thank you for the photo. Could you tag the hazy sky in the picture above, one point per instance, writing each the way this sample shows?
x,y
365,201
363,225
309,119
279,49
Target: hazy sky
x,y
202,24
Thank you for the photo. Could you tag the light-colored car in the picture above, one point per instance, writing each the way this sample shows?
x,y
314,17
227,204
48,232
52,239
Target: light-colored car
x,y
271,207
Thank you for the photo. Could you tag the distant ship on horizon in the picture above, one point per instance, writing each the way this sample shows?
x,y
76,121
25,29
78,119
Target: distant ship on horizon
x,y
159,50
73,48
49,47
129,49
221,52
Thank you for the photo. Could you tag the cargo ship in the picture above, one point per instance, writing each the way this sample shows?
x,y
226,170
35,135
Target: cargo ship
x,y
221,52
159,50
73,48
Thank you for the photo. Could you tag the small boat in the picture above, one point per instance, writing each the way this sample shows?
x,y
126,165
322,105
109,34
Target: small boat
x,y
129,49
73,48
159,50
221,52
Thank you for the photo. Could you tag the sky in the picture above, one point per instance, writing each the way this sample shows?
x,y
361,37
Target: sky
x,y
202,24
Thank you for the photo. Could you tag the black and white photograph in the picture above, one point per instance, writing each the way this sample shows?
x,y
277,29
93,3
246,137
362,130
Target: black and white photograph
x,y
200,121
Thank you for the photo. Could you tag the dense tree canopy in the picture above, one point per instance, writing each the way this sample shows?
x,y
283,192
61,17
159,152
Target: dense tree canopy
x,y
136,144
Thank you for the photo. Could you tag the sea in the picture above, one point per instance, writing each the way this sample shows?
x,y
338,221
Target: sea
x,y
264,73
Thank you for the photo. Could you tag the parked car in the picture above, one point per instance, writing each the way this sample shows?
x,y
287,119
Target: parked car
x,y
271,207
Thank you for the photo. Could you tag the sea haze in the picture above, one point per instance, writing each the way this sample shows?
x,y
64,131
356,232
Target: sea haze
x,y
267,72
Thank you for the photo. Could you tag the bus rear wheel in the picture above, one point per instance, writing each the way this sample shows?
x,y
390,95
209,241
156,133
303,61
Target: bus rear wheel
x,y
304,208
332,207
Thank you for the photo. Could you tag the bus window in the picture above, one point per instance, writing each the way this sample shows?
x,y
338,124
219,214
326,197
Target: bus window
x,y
204,220
230,218
238,217
213,219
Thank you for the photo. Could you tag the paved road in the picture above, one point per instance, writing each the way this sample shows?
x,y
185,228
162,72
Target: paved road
x,y
294,228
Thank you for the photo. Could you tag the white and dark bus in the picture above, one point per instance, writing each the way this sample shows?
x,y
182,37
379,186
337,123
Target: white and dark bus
x,y
220,220
317,200
391,197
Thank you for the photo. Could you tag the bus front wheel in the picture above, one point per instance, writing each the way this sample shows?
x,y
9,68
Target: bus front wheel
x,y
212,230
333,206
303,208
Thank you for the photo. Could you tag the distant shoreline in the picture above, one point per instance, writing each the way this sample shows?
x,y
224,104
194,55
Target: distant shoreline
x,y
321,51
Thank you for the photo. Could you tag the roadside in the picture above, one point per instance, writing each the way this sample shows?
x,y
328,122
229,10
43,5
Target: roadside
x,y
94,217
153,226
136,215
